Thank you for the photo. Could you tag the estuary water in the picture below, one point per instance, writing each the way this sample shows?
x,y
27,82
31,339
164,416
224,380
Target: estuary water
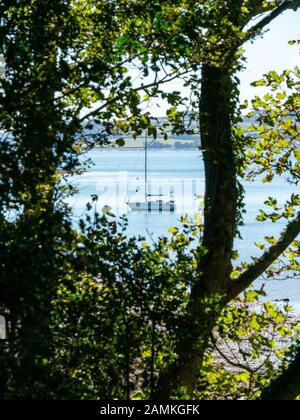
x,y
117,176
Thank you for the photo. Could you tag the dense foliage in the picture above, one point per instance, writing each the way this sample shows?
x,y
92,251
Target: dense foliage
x,y
89,312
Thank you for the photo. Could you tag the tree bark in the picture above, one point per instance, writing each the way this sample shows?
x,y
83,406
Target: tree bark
x,y
220,215
220,210
219,231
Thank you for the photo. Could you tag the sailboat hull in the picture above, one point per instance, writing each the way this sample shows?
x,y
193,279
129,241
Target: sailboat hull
x,y
153,206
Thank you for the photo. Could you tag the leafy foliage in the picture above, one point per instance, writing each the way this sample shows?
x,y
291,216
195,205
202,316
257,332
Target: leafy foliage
x,y
249,344
91,313
275,148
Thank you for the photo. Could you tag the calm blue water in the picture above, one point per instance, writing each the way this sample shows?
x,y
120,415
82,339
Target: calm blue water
x,y
118,176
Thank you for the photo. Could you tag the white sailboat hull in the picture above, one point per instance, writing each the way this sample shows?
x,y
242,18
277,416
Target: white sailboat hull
x,y
155,206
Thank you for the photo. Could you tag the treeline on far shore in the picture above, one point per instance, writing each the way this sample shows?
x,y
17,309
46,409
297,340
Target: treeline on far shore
x,y
158,144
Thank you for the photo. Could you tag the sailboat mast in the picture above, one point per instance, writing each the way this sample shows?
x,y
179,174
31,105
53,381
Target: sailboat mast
x,y
146,168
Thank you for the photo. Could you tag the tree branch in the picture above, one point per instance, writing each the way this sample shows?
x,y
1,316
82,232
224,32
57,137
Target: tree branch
x,y
287,385
285,5
261,264
256,7
165,79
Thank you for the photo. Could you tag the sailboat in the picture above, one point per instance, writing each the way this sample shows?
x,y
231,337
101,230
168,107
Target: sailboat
x,y
150,203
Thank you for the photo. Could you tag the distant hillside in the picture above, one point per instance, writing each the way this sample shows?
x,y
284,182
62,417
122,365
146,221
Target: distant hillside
x,y
173,141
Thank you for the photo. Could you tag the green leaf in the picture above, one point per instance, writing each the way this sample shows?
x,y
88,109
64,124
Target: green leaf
x,y
120,142
261,82
173,230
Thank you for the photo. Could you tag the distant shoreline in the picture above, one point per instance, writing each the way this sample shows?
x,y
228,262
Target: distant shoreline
x,y
134,149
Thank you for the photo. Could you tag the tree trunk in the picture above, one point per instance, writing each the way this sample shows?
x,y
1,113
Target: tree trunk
x,y
219,220
220,178
207,296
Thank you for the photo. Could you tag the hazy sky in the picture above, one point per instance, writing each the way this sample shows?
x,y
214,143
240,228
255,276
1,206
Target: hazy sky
x,y
271,52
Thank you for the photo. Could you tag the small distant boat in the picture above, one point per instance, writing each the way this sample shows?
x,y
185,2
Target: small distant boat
x,y
150,204
153,205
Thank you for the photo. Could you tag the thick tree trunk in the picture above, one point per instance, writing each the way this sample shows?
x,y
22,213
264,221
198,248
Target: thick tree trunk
x,y
215,267
219,220
220,178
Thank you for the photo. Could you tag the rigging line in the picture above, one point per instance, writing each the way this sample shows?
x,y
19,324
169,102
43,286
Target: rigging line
x,y
135,165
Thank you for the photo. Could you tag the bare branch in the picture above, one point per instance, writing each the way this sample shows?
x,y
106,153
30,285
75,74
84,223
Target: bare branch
x,y
261,264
